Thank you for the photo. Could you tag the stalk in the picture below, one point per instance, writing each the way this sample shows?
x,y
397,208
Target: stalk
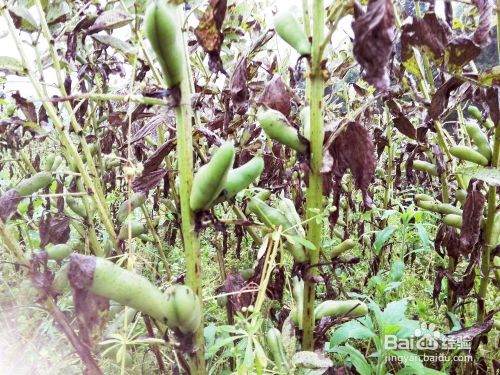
x,y
490,241
191,241
65,139
314,196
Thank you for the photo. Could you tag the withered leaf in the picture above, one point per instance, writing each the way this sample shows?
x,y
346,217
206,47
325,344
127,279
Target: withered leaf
x,y
373,40
429,33
277,96
440,99
470,333
353,149
54,228
239,87
235,283
472,215
28,108
156,158
108,20
209,35
148,180
8,204
481,36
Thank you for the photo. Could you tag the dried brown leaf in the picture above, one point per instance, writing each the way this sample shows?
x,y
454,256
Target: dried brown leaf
x,y
373,41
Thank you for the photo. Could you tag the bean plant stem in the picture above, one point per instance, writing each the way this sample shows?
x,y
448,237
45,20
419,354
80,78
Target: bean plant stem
x,y
191,241
490,235
314,196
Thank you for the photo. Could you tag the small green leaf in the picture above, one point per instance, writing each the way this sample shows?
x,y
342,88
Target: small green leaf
x,y
23,19
307,244
110,19
397,270
382,237
11,65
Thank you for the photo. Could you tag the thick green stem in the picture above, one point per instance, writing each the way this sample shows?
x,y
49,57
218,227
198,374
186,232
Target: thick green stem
x,y
191,241
489,233
314,196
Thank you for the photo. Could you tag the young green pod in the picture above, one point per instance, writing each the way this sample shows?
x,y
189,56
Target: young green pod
x,y
61,282
333,308
480,139
275,344
136,200
241,177
424,166
291,31
468,154
33,184
136,229
60,251
277,127
298,296
118,284
442,208
423,197
210,179
57,163
183,309
461,195
341,248
76,205
48,162
453,220
475,112
163,32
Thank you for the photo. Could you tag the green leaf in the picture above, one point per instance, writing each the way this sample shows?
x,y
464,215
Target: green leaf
x,y
350,330
395,312
121,46
23,19
11,65
489,175
307,244
490,76
382,238
358,360
397,270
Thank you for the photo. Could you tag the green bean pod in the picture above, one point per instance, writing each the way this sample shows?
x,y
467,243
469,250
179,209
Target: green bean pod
x,y
210,179
183,309
480,139
77,206
468,154
136,200
277,127
442,208
423,197
333,308
60,251
341,248
461,196
48,162
136,229
33,184
241,177
291,31
163,32
118,284
275,344
424,166
298,296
